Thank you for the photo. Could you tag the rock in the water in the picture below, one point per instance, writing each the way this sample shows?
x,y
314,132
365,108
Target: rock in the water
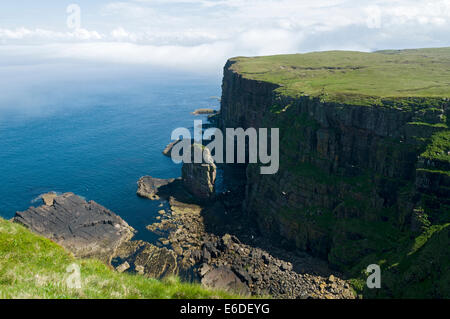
x,y
199,178
168,150
148,186
49,198
224,278
204,111
87,229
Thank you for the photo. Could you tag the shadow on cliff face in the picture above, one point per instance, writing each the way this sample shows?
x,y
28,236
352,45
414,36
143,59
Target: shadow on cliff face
x,y
225,215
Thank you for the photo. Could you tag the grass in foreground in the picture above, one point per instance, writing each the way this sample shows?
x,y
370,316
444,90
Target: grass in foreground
x,y
34,267
355,77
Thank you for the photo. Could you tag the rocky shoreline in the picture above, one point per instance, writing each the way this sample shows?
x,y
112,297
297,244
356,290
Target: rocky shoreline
x,y
217,245
193,245
223,261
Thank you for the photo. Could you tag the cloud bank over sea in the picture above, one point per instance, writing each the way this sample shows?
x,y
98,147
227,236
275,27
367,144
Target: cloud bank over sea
x,y
199,35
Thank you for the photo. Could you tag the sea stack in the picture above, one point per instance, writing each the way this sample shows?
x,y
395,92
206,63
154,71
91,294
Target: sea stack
x,y
199,178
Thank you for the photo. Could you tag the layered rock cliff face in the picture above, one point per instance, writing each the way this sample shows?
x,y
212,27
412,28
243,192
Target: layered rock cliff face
x,y
199,178
356,183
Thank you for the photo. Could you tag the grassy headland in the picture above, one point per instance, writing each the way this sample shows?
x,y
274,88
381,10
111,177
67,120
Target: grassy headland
x,y
356,78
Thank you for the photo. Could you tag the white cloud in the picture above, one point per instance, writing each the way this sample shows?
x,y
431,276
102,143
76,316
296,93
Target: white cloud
x,y
201,34
201,58
121,35
42,35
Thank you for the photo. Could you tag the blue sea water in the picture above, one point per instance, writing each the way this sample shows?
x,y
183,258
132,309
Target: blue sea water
x,y
95,136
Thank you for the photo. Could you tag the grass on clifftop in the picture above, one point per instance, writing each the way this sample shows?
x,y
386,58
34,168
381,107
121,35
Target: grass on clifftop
x,y
356,77
34,267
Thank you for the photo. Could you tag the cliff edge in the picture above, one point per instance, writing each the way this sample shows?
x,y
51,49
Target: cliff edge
x,y
364,160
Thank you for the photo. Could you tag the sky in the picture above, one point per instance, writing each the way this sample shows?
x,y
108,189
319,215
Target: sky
x,y
200,35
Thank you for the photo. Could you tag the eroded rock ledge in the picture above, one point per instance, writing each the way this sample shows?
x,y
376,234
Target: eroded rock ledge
x,y
89,230
148,186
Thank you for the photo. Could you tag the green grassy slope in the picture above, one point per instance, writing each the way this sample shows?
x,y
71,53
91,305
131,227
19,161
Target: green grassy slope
x,y
355,77
417,268
34,267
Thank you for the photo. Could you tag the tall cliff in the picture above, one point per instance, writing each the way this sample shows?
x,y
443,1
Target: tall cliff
x,y
364,159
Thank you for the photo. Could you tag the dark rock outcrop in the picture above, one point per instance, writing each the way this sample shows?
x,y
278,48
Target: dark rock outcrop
x,y
147,259
87,229
224,278
214,119
168,150
204,111
148,186
199,178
